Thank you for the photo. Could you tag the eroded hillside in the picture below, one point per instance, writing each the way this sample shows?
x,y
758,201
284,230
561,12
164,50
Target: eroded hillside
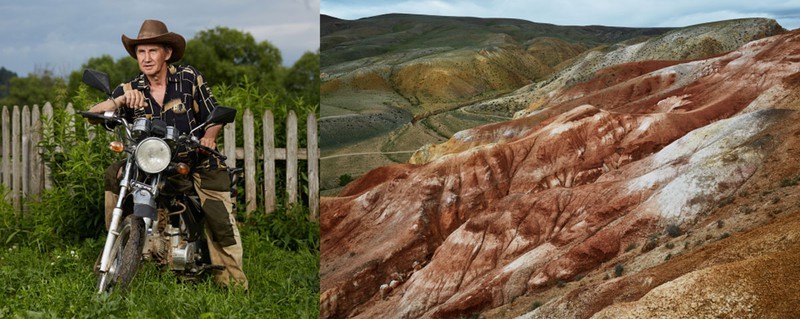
x,y
655,188
397,82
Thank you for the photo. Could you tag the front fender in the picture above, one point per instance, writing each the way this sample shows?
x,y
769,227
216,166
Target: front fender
x,y
144,204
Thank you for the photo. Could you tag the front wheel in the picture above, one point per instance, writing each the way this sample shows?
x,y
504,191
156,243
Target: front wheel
x,y
125,256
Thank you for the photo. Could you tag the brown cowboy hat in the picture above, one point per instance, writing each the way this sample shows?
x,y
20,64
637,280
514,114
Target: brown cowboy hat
x,y
155,32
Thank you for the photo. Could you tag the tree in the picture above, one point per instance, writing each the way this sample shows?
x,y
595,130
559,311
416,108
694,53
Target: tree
x,y
5,78
302,79
37,88
228,56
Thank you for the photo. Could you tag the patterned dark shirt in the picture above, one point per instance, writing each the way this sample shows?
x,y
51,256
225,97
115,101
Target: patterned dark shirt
x,y
187,103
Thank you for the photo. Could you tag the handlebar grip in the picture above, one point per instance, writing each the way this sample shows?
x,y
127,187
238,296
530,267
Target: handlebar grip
x,y
215,152
93,115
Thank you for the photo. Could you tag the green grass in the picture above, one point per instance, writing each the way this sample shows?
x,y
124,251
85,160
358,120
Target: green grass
x,y
59,283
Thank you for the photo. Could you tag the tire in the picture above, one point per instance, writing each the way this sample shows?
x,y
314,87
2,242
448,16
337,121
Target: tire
x,y
125,256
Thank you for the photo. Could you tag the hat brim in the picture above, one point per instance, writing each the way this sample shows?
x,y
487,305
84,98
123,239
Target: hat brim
x,y
174,40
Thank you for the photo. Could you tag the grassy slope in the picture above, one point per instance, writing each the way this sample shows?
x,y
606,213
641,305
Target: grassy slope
x,y
60,283
348,40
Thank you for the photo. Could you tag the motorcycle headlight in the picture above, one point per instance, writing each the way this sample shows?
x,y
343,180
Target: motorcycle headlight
x,y
153,155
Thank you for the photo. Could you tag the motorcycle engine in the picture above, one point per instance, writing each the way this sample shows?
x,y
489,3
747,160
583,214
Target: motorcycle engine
x,y
184,254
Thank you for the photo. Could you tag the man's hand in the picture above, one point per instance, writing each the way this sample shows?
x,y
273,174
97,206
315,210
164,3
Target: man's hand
x,y
209,142
133,99
210,138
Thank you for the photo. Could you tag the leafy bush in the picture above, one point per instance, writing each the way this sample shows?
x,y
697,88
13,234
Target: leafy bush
x,y
72,208
289,228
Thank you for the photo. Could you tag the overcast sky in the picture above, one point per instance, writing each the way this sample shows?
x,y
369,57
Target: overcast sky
x,y
624,13
60,35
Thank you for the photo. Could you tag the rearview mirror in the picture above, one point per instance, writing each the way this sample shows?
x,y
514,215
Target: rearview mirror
x,y
221,115
97,80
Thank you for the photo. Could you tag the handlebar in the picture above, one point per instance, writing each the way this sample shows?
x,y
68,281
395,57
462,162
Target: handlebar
x,y
196,143
192,140
213,151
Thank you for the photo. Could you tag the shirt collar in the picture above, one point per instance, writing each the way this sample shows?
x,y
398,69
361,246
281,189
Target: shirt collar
x,y
172,76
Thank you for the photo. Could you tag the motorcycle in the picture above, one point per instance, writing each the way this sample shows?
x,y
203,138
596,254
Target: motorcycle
x,y
151,219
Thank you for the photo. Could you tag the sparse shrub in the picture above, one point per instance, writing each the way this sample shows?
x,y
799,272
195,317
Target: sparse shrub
x,y
745,210
669,245
668,257
618,270
345,179
743,194
790,181
630,247
649,245
561,283
535,305
724,235
673,230
720,223
725,201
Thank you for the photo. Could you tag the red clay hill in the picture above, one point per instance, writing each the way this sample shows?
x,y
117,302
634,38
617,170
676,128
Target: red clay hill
x,y
656,188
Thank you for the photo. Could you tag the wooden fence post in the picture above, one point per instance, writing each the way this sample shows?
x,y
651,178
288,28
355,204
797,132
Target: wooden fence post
x,y
249,162
268,124
229,139
291,157
312,150
47,117
6,148
71,122
25,172
16,164
36,162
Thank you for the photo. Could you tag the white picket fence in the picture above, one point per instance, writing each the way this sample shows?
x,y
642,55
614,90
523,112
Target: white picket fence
x,y
24,173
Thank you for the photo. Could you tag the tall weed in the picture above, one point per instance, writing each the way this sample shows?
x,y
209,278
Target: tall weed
x,y
287,228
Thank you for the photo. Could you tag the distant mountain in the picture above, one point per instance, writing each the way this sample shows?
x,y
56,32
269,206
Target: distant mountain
x,y
348,40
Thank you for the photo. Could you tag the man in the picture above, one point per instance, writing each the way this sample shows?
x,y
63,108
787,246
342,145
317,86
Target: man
x,y
180,96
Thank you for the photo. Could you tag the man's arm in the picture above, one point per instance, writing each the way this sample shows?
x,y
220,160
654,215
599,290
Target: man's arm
x,y
135,98
210,138
107,105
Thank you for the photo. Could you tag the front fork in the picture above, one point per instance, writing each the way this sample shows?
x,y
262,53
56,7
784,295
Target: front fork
x,y
116,215
116,218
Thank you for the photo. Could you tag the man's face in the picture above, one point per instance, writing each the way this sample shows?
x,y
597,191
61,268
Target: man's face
x,y
152,58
